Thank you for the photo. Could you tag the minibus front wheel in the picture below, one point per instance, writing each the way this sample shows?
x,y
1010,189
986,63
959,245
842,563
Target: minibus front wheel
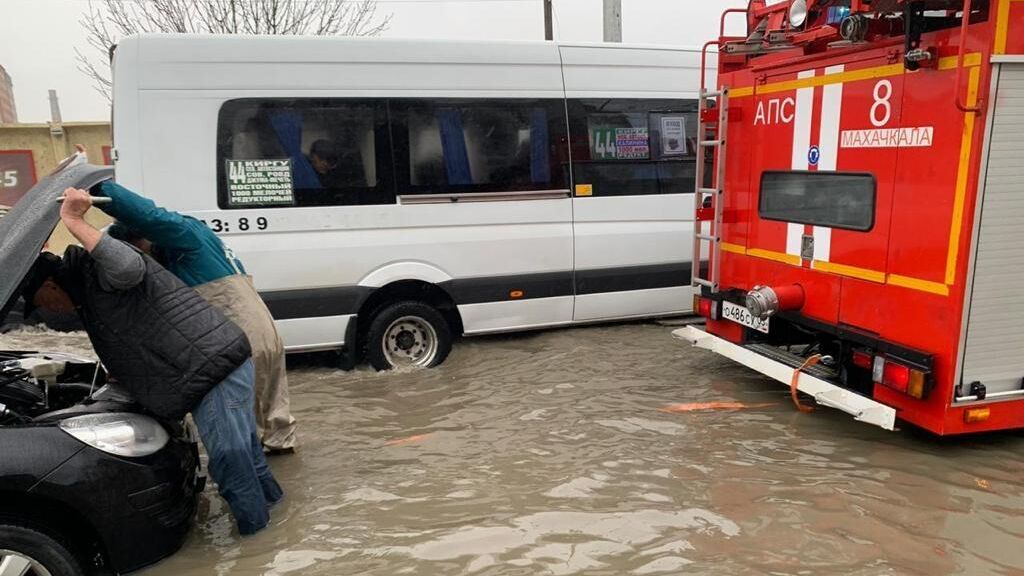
x,y
408,334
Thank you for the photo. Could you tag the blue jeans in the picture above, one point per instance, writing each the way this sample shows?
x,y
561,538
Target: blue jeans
x,y
227,425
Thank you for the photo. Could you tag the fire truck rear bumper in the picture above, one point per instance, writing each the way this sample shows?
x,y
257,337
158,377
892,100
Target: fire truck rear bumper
x,y
860,407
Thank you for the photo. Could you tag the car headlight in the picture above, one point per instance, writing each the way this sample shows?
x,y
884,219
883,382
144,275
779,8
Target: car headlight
x,y
118,433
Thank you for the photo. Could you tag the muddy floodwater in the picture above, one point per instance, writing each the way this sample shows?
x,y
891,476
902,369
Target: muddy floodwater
x,y
581,452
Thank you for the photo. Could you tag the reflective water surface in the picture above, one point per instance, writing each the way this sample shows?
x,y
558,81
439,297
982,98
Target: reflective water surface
x,y
584,451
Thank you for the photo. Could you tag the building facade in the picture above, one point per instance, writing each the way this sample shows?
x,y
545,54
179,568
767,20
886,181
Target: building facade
x,y
8,111
28,152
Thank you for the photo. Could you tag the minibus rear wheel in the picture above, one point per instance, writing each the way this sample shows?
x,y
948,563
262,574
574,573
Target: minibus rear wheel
x,y
408,334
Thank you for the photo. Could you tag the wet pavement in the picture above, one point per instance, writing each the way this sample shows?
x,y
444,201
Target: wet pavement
x,y
581,452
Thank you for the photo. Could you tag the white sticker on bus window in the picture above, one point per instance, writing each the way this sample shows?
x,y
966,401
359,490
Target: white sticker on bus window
x,y
260,183
632,144
673,136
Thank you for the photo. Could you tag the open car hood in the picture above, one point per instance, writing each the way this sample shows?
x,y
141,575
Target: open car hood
x,y
25,229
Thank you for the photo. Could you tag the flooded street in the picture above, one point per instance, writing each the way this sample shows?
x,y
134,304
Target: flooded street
x,y
561,453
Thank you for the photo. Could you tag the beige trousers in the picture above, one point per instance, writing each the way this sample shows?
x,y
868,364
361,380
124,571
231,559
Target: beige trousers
x,y
237,298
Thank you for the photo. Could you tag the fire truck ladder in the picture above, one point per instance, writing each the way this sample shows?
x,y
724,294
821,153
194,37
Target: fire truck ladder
x,y
712,121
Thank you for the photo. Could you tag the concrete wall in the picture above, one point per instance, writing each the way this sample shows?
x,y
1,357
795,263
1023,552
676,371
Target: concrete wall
x,y
49,148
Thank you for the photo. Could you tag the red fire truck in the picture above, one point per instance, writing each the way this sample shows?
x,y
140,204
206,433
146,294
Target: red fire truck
x,y
862,207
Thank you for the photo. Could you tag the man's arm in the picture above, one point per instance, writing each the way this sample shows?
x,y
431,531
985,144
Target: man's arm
x,y
119,266
162,227
72,213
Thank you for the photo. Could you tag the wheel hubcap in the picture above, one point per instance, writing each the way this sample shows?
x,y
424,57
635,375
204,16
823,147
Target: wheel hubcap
x,y
17,564
409,341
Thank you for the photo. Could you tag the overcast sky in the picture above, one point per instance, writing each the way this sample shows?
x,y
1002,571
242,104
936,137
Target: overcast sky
x,y
37,37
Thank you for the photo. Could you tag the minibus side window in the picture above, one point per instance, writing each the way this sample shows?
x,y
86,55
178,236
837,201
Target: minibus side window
x,y
459,146
833,199
627,147
277,152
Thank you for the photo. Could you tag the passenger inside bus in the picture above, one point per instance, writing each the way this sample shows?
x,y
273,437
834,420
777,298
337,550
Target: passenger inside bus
x,y
323,156
335,168
327,147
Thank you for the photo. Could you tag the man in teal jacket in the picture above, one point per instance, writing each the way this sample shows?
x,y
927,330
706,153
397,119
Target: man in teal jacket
x,y
190,250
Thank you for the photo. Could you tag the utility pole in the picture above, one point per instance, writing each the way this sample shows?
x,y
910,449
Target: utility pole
x,y
613,20
548,29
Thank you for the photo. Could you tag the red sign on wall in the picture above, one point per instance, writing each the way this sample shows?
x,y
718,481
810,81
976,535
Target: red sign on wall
x,y
17,175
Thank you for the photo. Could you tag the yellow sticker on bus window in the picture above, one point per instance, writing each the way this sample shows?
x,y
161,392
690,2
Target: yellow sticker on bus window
x,y
584,189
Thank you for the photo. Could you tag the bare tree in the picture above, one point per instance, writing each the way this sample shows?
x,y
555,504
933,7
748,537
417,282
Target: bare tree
x,y
107,20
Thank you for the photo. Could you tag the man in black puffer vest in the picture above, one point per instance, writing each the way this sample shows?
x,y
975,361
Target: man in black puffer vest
x,y
168,347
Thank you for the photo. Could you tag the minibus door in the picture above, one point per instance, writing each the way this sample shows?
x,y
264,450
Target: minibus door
x,y
633,170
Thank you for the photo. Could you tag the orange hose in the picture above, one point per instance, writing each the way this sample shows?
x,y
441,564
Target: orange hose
x,y
795,380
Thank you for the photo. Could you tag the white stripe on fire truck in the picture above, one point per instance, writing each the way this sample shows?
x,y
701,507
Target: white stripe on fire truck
x,y
828,150
831,110
802,122
804,111
822,243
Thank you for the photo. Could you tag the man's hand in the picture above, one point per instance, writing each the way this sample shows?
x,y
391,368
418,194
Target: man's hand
x,y
72,213
76,204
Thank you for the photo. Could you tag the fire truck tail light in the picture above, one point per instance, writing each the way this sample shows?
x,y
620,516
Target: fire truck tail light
x,y
705,307
863,360
878,368
896,376
915,387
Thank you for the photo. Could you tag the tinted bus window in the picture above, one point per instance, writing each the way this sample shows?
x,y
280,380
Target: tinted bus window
x,y
303,152
833,199
465,146
633,147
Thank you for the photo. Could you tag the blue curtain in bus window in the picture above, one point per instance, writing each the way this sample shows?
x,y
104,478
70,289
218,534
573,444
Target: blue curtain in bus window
x,y
288,125
453,145
540,169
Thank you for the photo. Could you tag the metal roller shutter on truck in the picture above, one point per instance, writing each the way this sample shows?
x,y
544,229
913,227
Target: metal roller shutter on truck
x,y
994,349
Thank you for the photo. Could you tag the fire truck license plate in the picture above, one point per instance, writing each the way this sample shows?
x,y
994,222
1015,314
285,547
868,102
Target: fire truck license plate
x,y
741,315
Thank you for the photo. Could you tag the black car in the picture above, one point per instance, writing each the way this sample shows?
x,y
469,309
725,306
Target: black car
x,y
89,483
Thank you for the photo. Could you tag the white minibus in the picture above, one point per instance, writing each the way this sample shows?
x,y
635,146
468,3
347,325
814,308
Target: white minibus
x,y
388,195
